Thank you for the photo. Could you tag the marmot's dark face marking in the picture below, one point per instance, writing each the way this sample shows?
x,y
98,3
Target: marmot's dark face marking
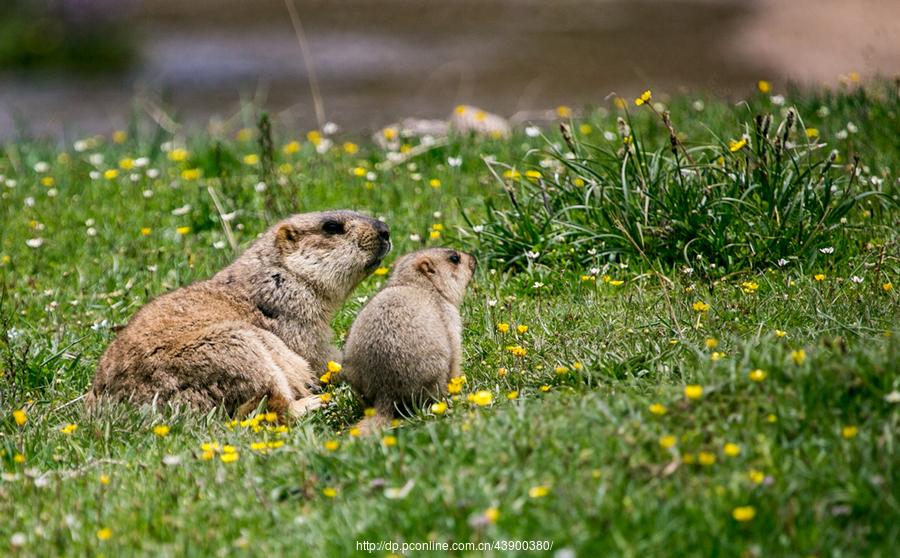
x,y
337,248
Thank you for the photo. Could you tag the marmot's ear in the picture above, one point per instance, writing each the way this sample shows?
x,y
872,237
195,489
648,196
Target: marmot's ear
x,y
426,266
286,238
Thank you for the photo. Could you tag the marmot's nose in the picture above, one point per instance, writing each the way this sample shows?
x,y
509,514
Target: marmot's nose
x,y
384,233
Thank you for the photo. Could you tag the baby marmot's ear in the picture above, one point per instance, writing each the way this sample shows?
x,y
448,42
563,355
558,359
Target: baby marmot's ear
x,y
426,266
286,238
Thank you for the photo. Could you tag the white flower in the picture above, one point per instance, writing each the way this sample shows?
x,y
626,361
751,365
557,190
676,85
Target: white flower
x,y
492,302
856,279
219,244
90,223
777,100
10,183
416,176
324,146
876,180
152,268
698,105
260,187
35,242
371,176
532,255
609,136
91,231
171,460
537,285
427,140
437,214
841,135
95,175
893,397
18,539
102,324
141,162
851,127
134,177
80,145
454,162
96,159
823,111
152,173
532,131
52,192
41,167
782,262
415,238
478,229
827,250
42,481
229,216
362,299
330,128
147,193
183,210
394,157
594,270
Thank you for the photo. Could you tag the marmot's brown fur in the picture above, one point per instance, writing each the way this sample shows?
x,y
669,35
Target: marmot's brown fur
x,y
257,329
405,345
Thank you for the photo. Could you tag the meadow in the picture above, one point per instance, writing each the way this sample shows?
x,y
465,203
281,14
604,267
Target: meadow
x,y
681,339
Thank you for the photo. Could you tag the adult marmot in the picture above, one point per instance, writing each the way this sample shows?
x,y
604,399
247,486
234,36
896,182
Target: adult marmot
x,y
405,345
258,328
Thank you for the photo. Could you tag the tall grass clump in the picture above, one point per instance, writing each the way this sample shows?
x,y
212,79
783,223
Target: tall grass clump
x,y
773,193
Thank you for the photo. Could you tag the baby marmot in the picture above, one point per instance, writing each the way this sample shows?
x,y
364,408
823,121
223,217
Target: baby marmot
x,y
405,345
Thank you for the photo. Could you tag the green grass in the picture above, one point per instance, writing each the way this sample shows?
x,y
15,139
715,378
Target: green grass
x,y
574,459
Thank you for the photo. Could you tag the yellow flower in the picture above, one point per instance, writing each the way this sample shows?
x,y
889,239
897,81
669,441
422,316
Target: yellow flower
x,y
389,441
329,492
104,534
588,278
111,174
711,343
191,174
812,133
435,183
210,446
275,444
532,174
251,159
145,231
434,235
455,384
178,155
460,110
706,458
798,356
585,129
439,408
492,515
517,350
716,356
819,277
771,418
270,417
482,398
561,369
104,480
325,378
355,432
563,111
48,181
538,491
887,287
749,287
700,306
370,412
658,409
503,327
334,367
332,445
229,457
512,395
693,391
126,163
577,366
502,371
20,417
780,333
763,86
119,136
183,230
522,328
292,147
314,137
756,477
350,148
390,134
732,450
69,428
615,282
644,98
667,441
757,375
244,134
849,432
544,388
511,173
325,397
161,430
737,145
19,458
743,513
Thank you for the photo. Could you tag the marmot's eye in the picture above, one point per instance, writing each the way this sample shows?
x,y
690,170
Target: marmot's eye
x,y
454,258
333,227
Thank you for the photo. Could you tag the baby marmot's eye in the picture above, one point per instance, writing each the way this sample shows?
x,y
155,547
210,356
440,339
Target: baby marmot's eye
x,y
333,227
454,258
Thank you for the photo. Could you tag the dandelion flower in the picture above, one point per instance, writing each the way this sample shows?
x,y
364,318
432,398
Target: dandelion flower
x,y
706,458
563,111
503,327
737,145
325,397
482,398
732,450
350,148
538,491
757,375
763,86
756,477
334,367
19,458
439,408
161,430
435,183
743,513
291,147
229,457
544,388
749,287
502,371
812,133
434,235
798,356
251,159
522,328
887,287
389,441
667,441
616,282
849,432
562,370
20,417
693,391
183,230
711,343
329,492
780,333
332,445
492,515
370,412
644,98
69,428
104,534
110,174
191,174
104,480
178,155
716,356
145,231
658,409
455,384
700,306
512,395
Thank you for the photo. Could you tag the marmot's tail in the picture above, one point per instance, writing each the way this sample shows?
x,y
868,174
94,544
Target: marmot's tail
x,y
384,414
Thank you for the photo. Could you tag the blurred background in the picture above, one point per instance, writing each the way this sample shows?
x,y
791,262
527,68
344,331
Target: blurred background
x,y
89,66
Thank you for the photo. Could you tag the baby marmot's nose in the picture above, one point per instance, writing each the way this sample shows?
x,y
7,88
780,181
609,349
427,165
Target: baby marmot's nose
x,y
384,233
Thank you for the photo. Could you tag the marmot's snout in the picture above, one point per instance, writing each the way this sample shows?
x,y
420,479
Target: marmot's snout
x,y
384,237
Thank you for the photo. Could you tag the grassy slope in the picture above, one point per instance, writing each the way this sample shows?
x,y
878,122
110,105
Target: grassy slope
x,y
590,439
